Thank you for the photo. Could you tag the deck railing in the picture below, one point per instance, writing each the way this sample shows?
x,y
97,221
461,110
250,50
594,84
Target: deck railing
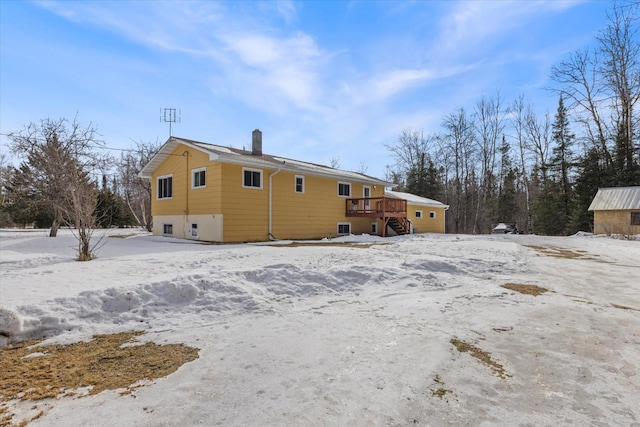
x,y
376,206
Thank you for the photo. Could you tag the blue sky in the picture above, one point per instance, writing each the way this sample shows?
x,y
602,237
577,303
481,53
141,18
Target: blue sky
x,y
321,79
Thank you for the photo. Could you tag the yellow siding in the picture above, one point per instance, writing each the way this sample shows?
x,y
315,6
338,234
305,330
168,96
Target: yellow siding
x,y
245,210
317,212
426,224
180,165
614,222
312,214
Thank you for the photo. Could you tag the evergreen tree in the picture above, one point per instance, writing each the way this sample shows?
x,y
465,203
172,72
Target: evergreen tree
x,y
547,208
506,199
107,208
561,164
422,178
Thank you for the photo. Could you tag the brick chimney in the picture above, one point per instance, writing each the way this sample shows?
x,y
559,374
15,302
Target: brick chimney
x,y
256,143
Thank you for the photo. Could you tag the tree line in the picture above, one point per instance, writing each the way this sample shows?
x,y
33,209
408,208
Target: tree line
x,y
503,162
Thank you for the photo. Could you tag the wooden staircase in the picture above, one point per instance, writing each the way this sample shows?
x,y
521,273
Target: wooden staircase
x,y
392,212
399,225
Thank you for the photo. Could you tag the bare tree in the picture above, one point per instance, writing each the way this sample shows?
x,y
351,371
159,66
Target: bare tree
x,y
362,168
538,134
6,174
58,157
518,124
602,87
490,123
620,70
580,88
79,210
137,191
410,148
334,162
458,141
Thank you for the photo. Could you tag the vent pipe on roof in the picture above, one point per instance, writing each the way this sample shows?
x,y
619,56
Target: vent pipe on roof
x,y
256,143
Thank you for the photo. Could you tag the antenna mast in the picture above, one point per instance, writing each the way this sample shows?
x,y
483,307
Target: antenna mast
x,y
170,115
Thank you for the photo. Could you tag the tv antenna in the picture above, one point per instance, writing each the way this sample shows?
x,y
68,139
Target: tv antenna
x,y
170,115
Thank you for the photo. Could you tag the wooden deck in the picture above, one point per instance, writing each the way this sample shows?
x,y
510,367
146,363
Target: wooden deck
x,y
384,208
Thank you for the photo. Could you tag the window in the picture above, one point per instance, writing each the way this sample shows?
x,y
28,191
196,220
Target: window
x,y
374,228
418,214
194,230
344,228
344,189
432,214
252,178
167,229
165,187
198,178
299,184
635,218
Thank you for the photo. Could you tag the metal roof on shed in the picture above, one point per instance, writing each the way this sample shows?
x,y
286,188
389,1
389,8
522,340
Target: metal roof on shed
x,y
616,198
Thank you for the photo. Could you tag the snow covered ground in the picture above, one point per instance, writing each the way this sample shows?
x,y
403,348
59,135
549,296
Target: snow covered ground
x,y
336,334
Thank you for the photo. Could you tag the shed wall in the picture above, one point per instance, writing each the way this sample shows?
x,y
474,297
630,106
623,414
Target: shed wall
x,y
614,222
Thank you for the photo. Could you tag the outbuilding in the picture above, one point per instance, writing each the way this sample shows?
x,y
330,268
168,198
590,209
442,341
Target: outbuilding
x,y
616,210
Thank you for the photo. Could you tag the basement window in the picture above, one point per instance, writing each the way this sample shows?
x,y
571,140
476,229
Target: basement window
x,y
167,229
635,218
194,230
344,228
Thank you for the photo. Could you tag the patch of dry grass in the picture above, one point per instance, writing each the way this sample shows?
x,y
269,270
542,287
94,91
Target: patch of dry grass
x,y
525,289
32,372
561,252
122,236
483,356
440,391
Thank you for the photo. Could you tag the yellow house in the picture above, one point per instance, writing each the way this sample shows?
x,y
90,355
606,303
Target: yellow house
x,y
424,215
218,194
616,210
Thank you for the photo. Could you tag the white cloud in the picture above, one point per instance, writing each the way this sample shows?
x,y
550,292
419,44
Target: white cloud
x,y
397,81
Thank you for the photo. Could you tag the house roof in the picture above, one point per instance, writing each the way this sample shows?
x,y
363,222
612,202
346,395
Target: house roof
x,y
616,198
243,157
415,200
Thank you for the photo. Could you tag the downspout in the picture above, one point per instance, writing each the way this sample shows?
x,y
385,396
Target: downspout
x,y
270,235
185,225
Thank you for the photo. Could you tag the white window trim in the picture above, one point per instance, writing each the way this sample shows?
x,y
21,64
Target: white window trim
x,y
193,178
432,215
295,184
338,228
164,224
158,186
374,228
419,214
192,228
344,183
253,170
